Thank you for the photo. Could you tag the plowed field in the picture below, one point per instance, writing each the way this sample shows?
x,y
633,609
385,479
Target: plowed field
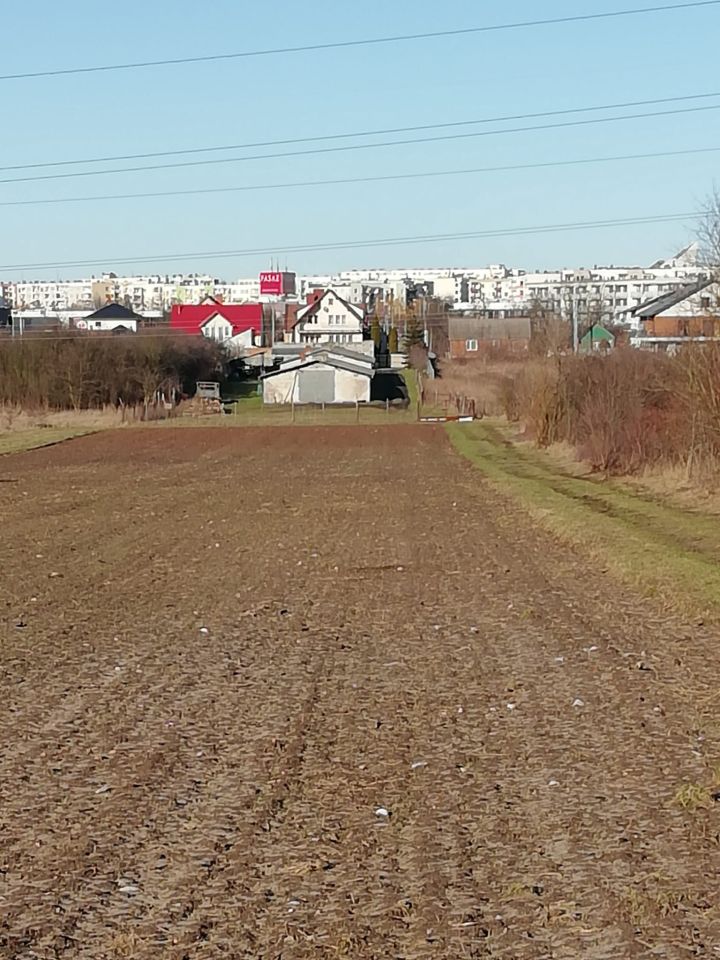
x,y
320,693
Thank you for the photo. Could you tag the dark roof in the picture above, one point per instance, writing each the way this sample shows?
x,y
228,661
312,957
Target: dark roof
x,y
651,308
114,311
345,352
489,328
315,306
342,363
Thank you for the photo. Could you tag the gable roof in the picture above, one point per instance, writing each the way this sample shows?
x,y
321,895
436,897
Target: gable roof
x,y
190,318
658,305
596,331
305,313
114,311
345,360
344,352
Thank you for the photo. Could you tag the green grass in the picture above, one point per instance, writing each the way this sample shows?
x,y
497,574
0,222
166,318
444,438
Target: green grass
x,y
246,409
17,441
252,413
663,549
411,382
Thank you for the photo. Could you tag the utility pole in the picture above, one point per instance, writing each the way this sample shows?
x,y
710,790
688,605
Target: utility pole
x,y
576,341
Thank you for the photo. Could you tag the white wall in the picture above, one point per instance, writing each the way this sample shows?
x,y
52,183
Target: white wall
x,y
703,304
107,326
332,322
351,387
217,328
285,387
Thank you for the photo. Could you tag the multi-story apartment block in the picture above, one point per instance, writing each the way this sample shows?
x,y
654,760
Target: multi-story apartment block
x,y
601,292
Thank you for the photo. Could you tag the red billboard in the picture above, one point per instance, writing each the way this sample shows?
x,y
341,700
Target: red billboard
x,y
277,284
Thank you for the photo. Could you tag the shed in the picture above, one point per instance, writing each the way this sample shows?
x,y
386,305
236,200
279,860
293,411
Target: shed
x,y
597,338
324,375
473,336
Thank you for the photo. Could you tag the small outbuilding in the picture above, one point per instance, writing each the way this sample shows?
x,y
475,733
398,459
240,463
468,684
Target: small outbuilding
x,y
324,375
597,338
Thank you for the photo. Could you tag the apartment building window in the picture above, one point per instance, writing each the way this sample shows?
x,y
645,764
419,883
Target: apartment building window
x,y
471,346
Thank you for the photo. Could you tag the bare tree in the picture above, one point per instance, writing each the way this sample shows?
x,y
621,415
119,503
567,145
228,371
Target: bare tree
x,y
708,234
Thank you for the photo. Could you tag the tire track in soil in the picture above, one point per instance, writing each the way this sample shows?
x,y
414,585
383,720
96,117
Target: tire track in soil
x,y
347,645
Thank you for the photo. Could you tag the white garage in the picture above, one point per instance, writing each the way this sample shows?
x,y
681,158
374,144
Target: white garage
x,y
324,375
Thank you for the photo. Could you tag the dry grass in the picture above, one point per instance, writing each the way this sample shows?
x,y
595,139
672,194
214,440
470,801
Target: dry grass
x,y
24,430
483,382
14,419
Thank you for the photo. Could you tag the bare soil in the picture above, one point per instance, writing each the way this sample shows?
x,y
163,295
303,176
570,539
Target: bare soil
x,y
224,651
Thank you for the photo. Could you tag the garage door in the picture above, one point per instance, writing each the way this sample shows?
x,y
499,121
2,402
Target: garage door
x,y
317,386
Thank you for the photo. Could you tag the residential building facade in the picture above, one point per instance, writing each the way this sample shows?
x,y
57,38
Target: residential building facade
x,y
329,319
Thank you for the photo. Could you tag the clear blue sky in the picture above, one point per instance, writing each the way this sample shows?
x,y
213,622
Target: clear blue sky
x,y
440,80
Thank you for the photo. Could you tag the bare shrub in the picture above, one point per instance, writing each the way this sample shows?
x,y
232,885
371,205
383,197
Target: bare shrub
x,y
480,385
88,372
699,393
620,412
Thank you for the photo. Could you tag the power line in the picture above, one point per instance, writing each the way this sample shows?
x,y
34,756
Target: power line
x,y
30,333
344,44
358,244
362,146
353,180
360,133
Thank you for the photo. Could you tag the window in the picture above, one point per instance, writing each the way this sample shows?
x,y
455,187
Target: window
x,y
705,303
471,346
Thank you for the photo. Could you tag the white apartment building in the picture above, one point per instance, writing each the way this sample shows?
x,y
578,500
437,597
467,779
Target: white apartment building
x,y
141,293
604,292
51,295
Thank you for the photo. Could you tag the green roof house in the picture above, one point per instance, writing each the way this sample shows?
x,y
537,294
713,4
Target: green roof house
x,y
597,338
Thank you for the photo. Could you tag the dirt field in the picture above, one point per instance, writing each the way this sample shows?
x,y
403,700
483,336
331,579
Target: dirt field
x,y
320,693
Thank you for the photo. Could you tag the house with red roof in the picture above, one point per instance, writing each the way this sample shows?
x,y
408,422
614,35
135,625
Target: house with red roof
x,y
240,323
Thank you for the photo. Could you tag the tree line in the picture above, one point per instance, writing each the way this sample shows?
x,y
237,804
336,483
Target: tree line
x,y
77,372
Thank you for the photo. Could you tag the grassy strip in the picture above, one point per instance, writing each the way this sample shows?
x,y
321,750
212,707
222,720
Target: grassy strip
x,y
411,382
661,549
17,441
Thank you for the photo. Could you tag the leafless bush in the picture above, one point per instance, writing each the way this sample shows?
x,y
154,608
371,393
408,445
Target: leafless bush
x,y
624,411
88,372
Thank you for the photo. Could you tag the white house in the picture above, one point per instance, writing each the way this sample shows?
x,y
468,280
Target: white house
x,y
111,318
329,319
324,375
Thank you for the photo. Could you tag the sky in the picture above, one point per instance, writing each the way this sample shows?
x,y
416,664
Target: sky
x,y
319,93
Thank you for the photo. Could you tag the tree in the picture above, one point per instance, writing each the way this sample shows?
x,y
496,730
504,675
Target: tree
x,y
376,333
393,340
414,333
551,335
708,234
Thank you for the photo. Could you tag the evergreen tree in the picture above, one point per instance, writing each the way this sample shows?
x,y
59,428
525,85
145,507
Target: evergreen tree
x,y
393,340
414,334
